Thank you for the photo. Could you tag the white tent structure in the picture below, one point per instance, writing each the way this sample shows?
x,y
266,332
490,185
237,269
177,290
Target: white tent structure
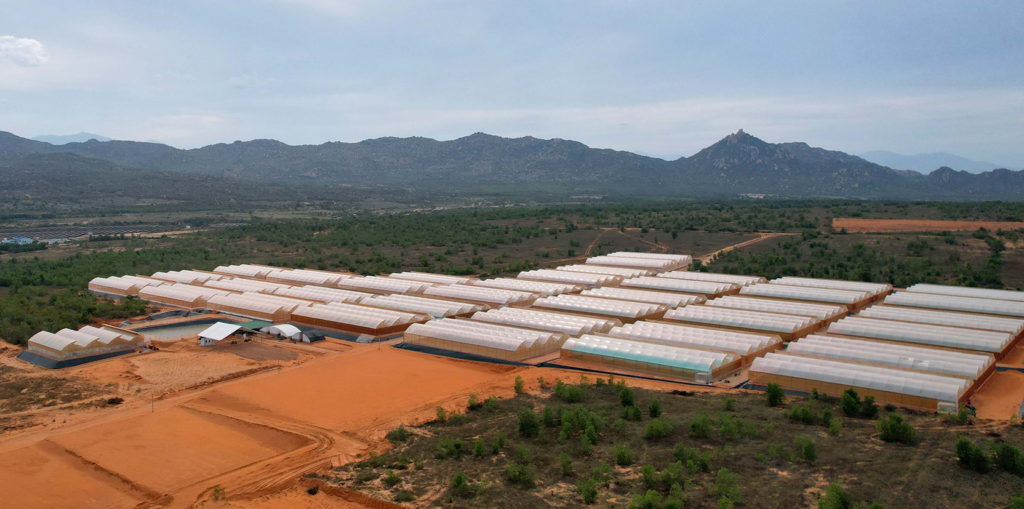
x,y
484,339
572,278
480,294
626,311
944,362
522,285
961,291
933,335
245,270
672,300
427,277
820,311
849,298
307,277
786,326
187,276
835,284
656,359
625,272
955,303
244,285
710,289
1013,326
661,262
743,344
384,285
713,277
572,325
436,308
322,294
284,330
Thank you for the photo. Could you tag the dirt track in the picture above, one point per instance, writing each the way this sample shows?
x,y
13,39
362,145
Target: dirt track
x,y
859,225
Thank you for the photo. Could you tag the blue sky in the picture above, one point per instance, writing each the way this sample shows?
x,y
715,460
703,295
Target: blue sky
x,y
664,78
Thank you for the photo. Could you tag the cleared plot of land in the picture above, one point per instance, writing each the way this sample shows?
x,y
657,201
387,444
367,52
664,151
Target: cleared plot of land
x,y
1000,396
856,225
176,447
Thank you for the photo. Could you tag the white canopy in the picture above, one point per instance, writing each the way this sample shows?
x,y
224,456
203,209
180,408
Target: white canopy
x,y
220,330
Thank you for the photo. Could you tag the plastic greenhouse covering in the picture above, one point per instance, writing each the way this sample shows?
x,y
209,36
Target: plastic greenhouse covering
x,y
106,337
187,276
306,277
961,291
819,311
672,300
714,277
81,339
846,297
434,307
599,306
935,335
254,271
356,315
115,283
925,385
644,356
176,295
287,303
573,278
834,284
952,303
572,325
321,294
970,365
680,285
742,318
640,263
739,343
243,305
484,338
1011,325
433,278
475,293
244,285
386,285
677,261
523,285
54,342
625,272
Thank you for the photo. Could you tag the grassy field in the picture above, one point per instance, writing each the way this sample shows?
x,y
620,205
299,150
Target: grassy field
x,y
731,449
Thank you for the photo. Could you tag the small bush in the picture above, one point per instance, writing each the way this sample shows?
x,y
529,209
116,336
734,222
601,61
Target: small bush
x,y
868,408
729,427
962,417
519,385
480,448
391,480
499,443
491,404
730,404
599,383
523,476
449,448
399,434
835,428
586,445
649,500
725,485
568,393
462,487
404,496
576,419
649,476
627,397
548,417
654,408
780,452
1017,502
971,456
801,414
565,463
367,476
889,407
619,426
442,416
850,403
588,491
623,456
658,428
826,417
529,425
695,461
524,453
700,427
893,429
776,396
835,498
675,499
632,413
1008,458
806,448
473,404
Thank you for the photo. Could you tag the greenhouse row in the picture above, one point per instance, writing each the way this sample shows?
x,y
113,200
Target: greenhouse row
x,y
710,289
746,345
934,335
245,285
572,278
649,358
180,295
572,325
484,339
627,311
954,303
875,289
384,285
122,285
88,341
961,291
945,362
1013,326
356,320
672,300
522,285
852,299
493,297
426,277
307,277
788,327
436,308
625,272
655,261
245,270
823,312
714,277
187,276
321,294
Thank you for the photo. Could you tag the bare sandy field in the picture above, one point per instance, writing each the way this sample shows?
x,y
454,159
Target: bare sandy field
x,y
1000,396
860,225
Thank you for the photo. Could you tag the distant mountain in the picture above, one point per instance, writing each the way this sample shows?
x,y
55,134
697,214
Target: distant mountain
x,y
61,139
739,164
925,163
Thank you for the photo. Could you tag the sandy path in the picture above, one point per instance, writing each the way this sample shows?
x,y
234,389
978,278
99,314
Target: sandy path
x,y
760,237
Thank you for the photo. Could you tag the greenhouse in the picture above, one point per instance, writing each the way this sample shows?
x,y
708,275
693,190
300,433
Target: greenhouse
x,y
714,277
1013,326
953,303
522,285
51,345
484,339
384,285
69,347
788,327
853,300
945,362
187,276
962,291
493,297
82,340
649,358
322,294
572,278
287,303
236,304
710,289
572,325
307,277
887,385
112,336
875,289
427,277
934,335
634,263
180,295
355,319
122,285
672,300
436,308
245,285
251,271
824,312
744,344
677,261
626,311
625,272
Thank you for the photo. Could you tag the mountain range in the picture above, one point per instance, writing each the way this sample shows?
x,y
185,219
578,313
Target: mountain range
x,y
739,164
924,163
61,139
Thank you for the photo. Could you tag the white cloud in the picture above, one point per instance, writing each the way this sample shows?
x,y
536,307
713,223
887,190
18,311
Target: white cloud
x,y
22,51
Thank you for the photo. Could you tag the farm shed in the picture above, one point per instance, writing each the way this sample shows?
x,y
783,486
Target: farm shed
x,y
672,300
572,325
650,358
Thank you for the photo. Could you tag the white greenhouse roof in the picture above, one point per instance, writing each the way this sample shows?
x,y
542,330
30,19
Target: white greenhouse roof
x,y
81,339
935,335
941,388
960,291
742,318
675,261
306,277
971,321
427,277
846,297
523,285
910,357
53,341
244,285
573,278
475,293
242,302
834,284
672,300
219,331
687,359
285,329
594,305
625,272
714,277
106,336
573,325
740,343
322,294
436,308
680,285
819,311
483,334
634,262
115,282
164,294
356,315
384,285
952,303
286,303
244,270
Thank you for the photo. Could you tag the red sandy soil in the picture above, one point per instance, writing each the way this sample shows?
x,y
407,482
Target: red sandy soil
x,y
859,225
1000,397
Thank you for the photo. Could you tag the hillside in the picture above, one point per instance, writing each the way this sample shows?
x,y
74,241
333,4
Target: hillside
x,y
738,164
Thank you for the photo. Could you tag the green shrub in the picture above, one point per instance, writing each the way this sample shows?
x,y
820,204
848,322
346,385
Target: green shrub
x,y
519,385
658,428
548,417
399,434
575,419
588,491
649,476
695,461
473,404
893,429
522,476
675,499
654,408
627,397
568,393
671,475
480,448
631,413
889,407
806,448
971,456
449,448
725,486
850,403
1008,458
586,445
623,456
524,453
602,474
700,427
1017,502
835,428
776,396
650,500
462,487
529,425
599,383
491,405
367,476
835,498
441,415
780,452
826,417
391,480
868,408
729,427
499,443
801,413
619,426
730,404
565,463
404,496
962,417
876,505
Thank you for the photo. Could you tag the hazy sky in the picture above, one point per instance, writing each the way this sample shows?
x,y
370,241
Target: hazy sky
x,y
664,78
